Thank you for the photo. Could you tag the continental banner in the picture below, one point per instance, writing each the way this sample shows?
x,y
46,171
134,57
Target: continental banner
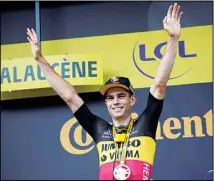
x,y
135,55
49,143
185,127
25,73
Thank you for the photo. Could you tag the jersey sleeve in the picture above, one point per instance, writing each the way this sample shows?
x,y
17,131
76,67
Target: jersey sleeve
x,y
148,120
92,124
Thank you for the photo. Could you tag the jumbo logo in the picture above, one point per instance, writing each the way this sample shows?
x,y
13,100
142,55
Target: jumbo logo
x,y
147,57
74,139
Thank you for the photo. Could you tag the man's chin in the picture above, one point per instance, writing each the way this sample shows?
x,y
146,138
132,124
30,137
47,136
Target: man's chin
x,y
118,116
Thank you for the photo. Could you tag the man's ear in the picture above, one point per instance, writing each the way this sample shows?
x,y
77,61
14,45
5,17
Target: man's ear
x,y
133,100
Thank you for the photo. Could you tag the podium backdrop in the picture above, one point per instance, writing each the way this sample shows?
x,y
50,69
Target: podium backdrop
x,y
40,138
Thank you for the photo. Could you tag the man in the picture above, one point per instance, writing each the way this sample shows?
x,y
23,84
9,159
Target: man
x,y
126,148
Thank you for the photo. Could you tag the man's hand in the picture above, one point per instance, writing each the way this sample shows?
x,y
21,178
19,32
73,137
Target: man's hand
x,y
171,22
65,90
32,38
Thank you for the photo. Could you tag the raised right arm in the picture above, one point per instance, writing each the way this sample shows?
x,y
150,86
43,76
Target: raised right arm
x,y
64,89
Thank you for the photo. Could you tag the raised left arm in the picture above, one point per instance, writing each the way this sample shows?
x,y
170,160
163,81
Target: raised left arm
x,y
171,24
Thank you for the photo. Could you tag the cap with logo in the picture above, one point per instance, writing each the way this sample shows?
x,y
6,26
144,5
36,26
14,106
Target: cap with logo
x,y
122,82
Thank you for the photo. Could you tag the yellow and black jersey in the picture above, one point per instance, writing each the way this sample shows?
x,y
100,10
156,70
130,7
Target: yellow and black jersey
x,y
141,145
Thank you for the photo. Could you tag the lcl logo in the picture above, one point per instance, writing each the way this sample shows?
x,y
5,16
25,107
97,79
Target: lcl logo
x,y
146,58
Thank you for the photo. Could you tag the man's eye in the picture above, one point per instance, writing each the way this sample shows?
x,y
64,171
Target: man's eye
x,y
122,96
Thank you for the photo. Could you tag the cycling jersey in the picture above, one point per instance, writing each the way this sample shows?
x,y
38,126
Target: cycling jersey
x,y
141,145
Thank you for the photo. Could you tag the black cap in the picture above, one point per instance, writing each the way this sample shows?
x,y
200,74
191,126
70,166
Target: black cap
x,y
122,82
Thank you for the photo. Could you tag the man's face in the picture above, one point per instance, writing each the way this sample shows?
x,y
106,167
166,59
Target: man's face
x,y
119,102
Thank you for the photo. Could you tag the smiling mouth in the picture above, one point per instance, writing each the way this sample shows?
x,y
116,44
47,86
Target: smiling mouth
x,y
117,108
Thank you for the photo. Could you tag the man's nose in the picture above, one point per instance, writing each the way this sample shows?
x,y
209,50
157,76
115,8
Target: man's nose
x,y
116,100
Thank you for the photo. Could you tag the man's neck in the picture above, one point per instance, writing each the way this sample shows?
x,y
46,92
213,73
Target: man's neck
x,y
122,122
